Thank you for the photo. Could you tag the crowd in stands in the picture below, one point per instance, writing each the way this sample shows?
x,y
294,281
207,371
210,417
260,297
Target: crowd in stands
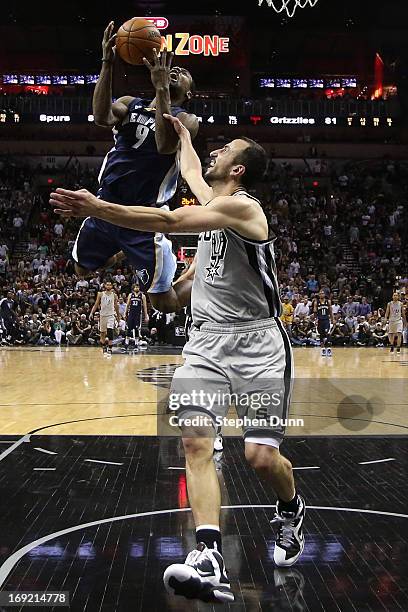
x,y
347,236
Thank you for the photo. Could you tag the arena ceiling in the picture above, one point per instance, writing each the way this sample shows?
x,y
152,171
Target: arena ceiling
x,y
67,35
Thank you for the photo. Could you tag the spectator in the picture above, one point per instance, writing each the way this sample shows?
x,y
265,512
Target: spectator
x,y
287,315
312,284
58,229
350,308
302,309
74,335
364,309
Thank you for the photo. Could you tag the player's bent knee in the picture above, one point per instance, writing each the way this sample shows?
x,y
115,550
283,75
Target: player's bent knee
x,y
262,457
198,445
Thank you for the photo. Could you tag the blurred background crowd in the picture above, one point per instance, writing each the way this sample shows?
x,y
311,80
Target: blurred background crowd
x,y
344,233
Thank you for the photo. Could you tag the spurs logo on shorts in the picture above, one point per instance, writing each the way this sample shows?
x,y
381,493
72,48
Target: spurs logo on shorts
x,y
219,243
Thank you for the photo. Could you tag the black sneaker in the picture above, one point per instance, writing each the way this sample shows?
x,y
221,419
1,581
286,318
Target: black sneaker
x,y
201,576
398,350
290,540
392,349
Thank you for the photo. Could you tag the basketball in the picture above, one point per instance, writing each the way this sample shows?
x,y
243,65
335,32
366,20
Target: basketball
x,y
136,39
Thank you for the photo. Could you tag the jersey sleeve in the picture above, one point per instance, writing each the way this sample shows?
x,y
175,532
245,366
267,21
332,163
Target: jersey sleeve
x,y
177,110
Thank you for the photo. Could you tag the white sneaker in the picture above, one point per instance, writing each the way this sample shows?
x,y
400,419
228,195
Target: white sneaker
x,y
329,352
201,576
290,540
324,352
218,444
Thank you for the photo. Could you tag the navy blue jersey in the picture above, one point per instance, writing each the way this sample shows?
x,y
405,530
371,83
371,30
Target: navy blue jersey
x,y
135,306
323,310
147,176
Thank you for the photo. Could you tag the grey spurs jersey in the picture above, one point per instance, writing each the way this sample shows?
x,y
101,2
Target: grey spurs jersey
x,y
235,278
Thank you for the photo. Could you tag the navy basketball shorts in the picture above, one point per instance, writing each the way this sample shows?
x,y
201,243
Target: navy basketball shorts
x,y
134,322
150,254
323,328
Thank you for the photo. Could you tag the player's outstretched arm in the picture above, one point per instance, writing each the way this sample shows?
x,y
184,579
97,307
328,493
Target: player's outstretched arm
x,y
190,163
222,212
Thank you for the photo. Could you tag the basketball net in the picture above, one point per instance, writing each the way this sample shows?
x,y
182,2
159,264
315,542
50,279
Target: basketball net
x,y
289,6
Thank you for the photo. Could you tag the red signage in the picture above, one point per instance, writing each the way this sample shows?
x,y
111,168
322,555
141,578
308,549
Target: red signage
x,y
184,43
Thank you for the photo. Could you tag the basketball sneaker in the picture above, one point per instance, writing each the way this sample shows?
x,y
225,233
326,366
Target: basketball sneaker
x,y
201,576
329,352
398,350
290,540
323,352
218,444
392,349
218,441
289,587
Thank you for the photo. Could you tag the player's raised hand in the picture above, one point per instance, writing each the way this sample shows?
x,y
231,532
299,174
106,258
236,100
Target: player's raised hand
x,y
108,43
160,68
180,129
69,203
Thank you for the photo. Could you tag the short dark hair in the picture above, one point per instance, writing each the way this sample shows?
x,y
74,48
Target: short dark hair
x,y
254,158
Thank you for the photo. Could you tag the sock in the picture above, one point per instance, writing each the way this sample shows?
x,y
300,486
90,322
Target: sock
x,y
292,506
210,535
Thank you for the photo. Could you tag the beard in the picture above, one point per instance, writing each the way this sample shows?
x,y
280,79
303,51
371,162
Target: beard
x,y
210,175
176,91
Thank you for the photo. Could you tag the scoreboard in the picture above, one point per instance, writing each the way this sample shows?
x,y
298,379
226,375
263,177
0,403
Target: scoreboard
x,y
354,121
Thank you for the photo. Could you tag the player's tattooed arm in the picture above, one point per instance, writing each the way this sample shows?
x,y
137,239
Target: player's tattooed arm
x,y
190,163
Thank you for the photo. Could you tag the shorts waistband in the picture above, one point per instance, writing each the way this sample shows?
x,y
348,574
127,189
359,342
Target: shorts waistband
x,y
237,328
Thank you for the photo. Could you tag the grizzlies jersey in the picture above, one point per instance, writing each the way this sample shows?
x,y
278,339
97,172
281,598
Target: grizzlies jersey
x,y
135,306
323,310
235,278
149,176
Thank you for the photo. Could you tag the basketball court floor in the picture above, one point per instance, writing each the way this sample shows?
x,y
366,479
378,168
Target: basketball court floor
x,y
95,503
